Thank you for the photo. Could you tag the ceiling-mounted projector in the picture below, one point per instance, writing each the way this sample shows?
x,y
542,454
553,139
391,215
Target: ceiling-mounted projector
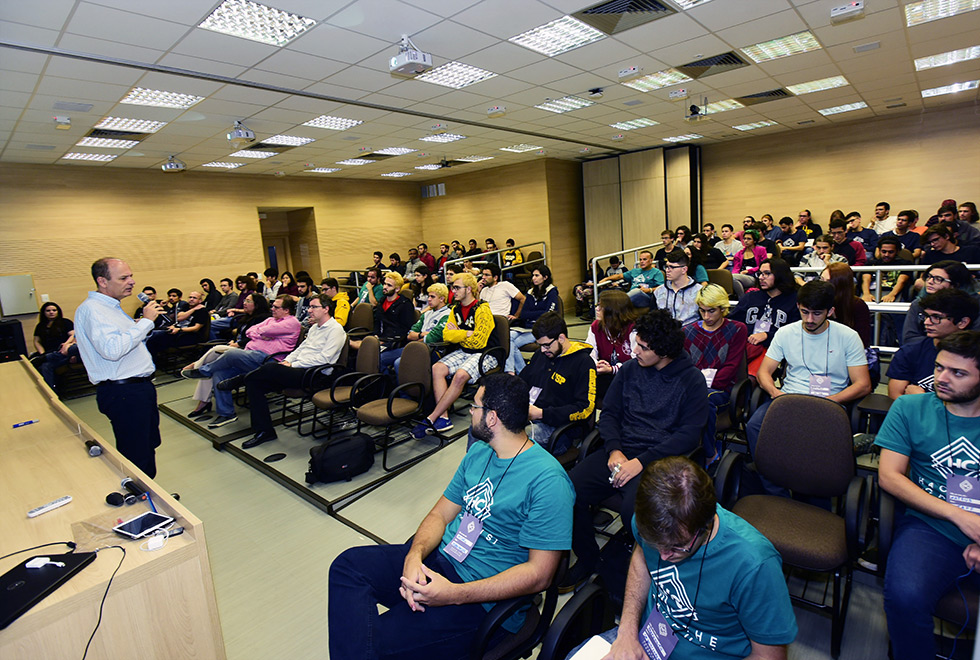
x,y
173,166
240,135
410,61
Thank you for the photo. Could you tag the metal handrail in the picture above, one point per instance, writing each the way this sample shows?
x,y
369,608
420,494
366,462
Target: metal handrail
x,y
595,267
543,259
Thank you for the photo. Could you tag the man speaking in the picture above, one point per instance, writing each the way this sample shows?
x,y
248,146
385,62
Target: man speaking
x,y
117,361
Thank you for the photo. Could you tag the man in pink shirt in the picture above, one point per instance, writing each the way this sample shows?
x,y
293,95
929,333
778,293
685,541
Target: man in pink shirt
x,y
271,339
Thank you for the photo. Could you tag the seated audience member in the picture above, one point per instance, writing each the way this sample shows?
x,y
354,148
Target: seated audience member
x,y
412,264
883,222
512,256
561,376
746,261
585,291
807,225
370,291
377,258
769,245
967,212
849,310
452,271
682,236
728,245
940,275
678,294
709,231
427,258
269,339
444,256
492,247
642,280
943,313
419,286
341,312
821,256
791,240
935,545
711,257
272,284
173,305
656,406
715,582
456,250
322,345
393,318
470,325
907,238
300,274
894,283
500,295
189,327
228,298
943,247
772,229
470,550
395,264
747,223
823,358
866,237
966,234
765,311
211,295
54,342
542,297
694,267
246,286
717,347
851,250
305,293
288,284
427,328
151,293
612,336
667,237
474,250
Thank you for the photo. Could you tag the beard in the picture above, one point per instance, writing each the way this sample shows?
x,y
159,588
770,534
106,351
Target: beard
x,y
481,431
960,397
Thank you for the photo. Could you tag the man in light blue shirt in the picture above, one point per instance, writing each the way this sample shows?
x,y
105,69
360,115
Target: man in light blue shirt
x,y
115,356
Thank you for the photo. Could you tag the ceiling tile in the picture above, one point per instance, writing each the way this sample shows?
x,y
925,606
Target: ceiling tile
x,y
383,19
441,7
108,48
339,44
20,33
544,72
449,40
763,29
51,14
187,12
507,18
868,28
126,27
662,32
201,65
223,48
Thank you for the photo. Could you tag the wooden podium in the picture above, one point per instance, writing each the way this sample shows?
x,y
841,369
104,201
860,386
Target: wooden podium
x,y
161,604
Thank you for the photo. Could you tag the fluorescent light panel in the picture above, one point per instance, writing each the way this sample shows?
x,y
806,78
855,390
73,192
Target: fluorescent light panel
x,y
160,99
918,13
722,106
250,20
323,170
83,156
754,125
658,80
558,36
246,153
394,151
794,44
566,104
474,159
107,143
443,137
218,163
847,107
333,123
683,138
288,140
431,166
945,59
134,125
396,175
950,89
818,85
634,123
456,75
356,161
520,148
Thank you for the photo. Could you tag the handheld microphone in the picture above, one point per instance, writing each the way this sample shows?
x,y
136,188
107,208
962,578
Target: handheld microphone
x,y
133,488
142,297
93,448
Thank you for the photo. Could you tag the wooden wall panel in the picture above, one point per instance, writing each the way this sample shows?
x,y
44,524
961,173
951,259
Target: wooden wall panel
x,y
911,161
304,247
643,196
677,163
603,206
566,213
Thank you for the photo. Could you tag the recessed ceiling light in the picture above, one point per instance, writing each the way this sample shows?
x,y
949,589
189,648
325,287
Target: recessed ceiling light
x,y
634,123
657,80
722,106
134,125
683,138
949,89
945,59
456,75
794,44
818,85
250,20
106,142
356,161
218,163
333,123
519,148
558,36
394,151
474,159
443,137
431,166
246,153
847,107
287,140
754,125
82,156
397,175
323,170
160,99
918,13
566,104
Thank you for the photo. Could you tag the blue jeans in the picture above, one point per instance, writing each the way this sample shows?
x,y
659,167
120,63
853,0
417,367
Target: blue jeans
x,y
515,361
387,363
716,399
641,299
233,362
363,577
922,566
49,362
218,326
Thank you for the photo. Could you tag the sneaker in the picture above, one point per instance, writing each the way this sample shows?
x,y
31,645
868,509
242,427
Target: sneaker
x,y
442,424
421,429
221,420
869,560
191,372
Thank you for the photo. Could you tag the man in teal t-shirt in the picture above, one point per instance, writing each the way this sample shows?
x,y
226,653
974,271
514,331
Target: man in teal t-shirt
x,y
642,280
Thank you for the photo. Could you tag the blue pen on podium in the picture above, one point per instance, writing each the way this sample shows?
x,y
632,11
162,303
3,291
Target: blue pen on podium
x,y
30,421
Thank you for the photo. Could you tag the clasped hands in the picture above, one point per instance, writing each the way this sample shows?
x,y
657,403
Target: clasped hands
x,y
423,587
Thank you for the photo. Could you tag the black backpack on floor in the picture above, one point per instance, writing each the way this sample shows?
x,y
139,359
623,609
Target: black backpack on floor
x,y
341,460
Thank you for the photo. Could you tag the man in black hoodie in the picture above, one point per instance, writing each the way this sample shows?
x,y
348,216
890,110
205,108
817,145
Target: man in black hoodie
x,y
656,406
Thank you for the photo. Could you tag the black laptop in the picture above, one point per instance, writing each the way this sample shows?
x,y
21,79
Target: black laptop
x,y
22,588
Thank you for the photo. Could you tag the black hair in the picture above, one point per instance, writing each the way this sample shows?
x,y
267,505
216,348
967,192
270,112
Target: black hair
x,y
509,242
395,256
253,274
423,269
493,268
661,332
958,274
307,280
424,245
888,207
223,279
678,257
57,323
730,228
851,215
782,274
180,294
954,303
549,324
816,295
706,225
328,302
379,254
838,224
301,273
150,288
965,343
891,240
938,230
786,220
271,272
210,284
262,308
509,397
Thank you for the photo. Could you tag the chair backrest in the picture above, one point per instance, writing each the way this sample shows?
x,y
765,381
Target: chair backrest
x,y
361,316
415,365
501,331
344,353
560,307
368,355
906,254
806,445
722,278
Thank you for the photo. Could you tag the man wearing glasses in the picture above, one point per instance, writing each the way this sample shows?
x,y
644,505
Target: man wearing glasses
x,y
702,581
679,293
943,246
940,275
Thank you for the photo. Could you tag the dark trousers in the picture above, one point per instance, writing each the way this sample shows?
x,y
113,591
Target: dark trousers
x,y
132,409
270,377
591,481
363,577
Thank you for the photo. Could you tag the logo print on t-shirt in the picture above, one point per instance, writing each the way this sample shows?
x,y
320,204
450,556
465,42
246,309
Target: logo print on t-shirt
x,y
672,593
479,499
961,455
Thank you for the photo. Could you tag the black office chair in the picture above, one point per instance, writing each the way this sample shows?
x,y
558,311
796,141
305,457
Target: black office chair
x,y
589,612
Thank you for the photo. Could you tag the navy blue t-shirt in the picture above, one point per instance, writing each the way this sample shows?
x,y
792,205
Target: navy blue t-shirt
x,y
915,363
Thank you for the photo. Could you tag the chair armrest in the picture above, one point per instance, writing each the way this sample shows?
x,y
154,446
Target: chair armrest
x,y
366,389
493,621
405,387
728,478
855,512
494,351
559,639
359,332
886,526
738,403
345,380
759,396
591,443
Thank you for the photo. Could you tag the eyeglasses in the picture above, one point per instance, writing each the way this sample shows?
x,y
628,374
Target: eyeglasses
x,y
937,279
316,306
764,273
932,318
457,287
547,344
677,550
473,406
673,266
277,307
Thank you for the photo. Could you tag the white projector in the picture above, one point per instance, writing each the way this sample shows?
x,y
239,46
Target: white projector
x,y
173,166
241,136
848,12
410,62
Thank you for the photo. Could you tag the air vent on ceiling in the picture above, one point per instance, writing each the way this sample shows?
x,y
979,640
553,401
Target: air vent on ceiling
x,y
39,147
263,146
115,135
762,97
617,16
70,106
374,156
710,66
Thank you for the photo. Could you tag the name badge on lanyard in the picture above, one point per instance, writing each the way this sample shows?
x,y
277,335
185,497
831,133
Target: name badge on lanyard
x,y
466,537
964,492
820,385
656,637
709,375
763,325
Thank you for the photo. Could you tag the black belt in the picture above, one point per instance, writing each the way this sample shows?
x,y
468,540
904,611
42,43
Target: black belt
x,y
127,381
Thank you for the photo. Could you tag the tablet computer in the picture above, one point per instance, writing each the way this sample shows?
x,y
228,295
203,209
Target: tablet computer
x,y
142,525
